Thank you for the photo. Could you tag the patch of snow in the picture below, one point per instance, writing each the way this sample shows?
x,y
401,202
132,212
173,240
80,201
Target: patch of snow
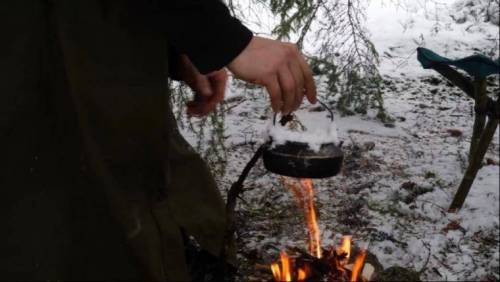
x,y
478,212
318,130
397,30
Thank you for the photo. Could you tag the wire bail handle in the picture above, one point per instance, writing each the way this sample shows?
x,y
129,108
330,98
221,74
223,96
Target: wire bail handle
x,y
285,119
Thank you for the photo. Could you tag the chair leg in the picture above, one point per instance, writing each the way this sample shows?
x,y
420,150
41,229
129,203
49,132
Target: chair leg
x,y
474,165
480,99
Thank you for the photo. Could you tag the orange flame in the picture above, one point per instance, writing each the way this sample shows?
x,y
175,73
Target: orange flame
x,y
303,191
287,270
285,264
358,265
345,247
314,233
301,276
275,268
285,273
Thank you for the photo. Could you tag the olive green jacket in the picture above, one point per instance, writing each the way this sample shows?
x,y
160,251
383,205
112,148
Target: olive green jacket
x,y
97,183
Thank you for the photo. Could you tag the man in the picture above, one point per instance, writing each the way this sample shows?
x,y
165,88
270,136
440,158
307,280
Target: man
x,y
97,183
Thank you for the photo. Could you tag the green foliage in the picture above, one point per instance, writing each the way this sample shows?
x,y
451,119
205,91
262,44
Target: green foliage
x,y
293,14
429,174
344,57
208,131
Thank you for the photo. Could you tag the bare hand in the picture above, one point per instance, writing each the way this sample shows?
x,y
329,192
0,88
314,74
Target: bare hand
x,y
281,68
209,89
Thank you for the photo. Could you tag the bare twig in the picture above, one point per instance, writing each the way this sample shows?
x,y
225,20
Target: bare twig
x,y
235,191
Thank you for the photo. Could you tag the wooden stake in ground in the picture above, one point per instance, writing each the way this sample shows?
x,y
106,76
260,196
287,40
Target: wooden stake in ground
x,y
475,161
481,100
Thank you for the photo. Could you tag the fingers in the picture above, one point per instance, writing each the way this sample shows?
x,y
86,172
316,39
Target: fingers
x,y
294,80
200,108
193,108
274,89
275,65
203,86
299,83
210,90
288,88
309,85
218,83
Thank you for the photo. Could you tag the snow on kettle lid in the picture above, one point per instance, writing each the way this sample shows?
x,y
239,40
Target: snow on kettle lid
x,y
312,128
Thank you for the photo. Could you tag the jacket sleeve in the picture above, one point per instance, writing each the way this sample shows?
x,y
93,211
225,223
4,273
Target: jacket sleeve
x,y
204,30
174,61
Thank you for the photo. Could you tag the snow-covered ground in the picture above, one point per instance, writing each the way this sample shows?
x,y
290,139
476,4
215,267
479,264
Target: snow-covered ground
x,y
394,194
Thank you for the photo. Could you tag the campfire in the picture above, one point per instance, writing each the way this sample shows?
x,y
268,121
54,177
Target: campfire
x,y
318,264
297,164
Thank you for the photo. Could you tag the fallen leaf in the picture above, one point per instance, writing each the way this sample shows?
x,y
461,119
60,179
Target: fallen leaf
x,y
454,132
490,161
452,226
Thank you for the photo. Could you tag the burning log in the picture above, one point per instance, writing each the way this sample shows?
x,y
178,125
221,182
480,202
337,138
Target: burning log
x,y
318,264
332,266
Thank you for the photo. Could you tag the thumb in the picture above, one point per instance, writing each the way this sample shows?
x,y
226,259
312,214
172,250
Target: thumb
x,y
203,86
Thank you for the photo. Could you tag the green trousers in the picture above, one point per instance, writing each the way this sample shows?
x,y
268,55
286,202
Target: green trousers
x,y
96,182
